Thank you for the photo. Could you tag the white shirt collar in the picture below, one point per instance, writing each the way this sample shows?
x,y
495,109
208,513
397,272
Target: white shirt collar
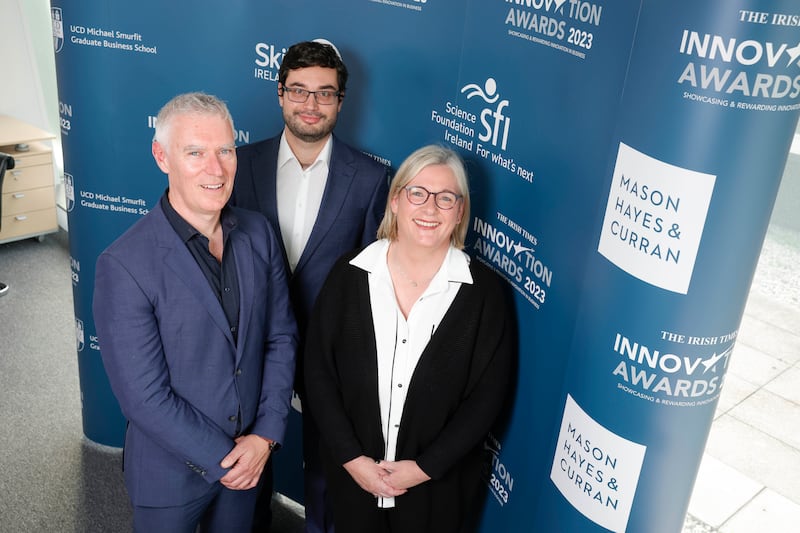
x,y
285,153
373,259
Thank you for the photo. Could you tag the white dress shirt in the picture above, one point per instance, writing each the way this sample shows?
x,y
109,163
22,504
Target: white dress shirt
x,y
299,194
400,341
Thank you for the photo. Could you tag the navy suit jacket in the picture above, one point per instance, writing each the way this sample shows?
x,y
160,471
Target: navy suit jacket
x,y
167,348
351,210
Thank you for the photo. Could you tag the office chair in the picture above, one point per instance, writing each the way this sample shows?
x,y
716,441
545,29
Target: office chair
x,y
6,163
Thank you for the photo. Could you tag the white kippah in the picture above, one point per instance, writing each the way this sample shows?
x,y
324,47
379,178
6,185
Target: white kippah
x,y
326,41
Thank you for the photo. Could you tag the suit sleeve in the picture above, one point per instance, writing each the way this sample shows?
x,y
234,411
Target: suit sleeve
x,y
133,356
280,348
244,189
376,208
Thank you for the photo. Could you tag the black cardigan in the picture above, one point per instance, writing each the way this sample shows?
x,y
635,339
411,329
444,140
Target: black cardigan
x,y
457,390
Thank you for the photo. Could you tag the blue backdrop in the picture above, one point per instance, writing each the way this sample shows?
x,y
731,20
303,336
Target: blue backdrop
x,y
624,158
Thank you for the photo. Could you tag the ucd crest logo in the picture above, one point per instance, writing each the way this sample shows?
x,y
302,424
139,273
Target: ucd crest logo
x,y
79,334
58,28
495,124
69,191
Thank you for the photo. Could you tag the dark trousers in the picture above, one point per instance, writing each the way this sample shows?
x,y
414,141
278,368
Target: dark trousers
x,y
262,517
318,504
220,510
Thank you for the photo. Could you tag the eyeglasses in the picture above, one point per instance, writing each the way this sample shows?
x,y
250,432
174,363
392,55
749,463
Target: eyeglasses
x,y
299,96
443,199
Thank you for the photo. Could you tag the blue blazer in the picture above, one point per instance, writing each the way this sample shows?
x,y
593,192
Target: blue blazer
x,y
351,210
172,363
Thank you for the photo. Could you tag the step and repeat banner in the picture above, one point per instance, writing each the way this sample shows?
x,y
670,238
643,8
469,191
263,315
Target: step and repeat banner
x,y
624,158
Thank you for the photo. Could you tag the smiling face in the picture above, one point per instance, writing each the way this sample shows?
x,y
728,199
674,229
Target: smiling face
x,y
309,121
199,157
427,225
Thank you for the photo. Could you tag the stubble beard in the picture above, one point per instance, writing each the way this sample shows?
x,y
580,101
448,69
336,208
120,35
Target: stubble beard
x,y
309,135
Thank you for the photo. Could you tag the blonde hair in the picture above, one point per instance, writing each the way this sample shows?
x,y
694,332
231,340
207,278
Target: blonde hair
x,y
414,164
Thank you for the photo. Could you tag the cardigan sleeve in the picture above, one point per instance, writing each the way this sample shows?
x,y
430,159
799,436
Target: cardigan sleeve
x,y
324,395
488,385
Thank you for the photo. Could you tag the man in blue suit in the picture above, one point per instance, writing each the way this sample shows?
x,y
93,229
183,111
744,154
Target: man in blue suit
x,y
324,198
196,334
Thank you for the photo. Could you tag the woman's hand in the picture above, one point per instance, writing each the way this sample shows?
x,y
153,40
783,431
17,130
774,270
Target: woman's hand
x,y
370,476
403,474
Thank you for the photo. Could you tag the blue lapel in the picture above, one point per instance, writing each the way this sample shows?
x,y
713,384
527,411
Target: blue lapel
x,y
243,251
264,170
337,189
180,261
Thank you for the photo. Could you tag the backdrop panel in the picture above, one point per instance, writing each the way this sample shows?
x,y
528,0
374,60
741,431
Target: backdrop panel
x,y
709,108
536,124
583,124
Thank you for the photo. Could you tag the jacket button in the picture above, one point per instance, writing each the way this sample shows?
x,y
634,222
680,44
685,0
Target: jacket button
x,y
232,418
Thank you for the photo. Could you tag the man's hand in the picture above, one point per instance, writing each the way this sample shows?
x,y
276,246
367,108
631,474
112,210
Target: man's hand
x,y
246,462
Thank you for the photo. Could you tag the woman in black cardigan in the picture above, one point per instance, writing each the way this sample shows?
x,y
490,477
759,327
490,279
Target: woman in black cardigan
x,y
408,361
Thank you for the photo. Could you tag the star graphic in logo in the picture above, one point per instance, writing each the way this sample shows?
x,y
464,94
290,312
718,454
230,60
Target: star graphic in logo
x,y
559,3
518,249
715,359
794,53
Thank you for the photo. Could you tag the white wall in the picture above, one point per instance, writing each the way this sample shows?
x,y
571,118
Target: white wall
x,y
28,75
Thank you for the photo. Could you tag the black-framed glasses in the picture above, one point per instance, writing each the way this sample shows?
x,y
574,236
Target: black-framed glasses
x,y
300,96
443,199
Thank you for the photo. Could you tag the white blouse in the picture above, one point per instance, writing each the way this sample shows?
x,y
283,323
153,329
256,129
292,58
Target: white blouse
x,y
400,341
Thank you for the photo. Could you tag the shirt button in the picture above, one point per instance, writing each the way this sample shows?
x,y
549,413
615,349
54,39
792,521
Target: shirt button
x,y
227,289
404,341
238,371
399,385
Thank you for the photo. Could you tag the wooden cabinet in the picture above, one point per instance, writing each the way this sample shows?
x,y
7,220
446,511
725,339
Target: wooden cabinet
x,y
28,194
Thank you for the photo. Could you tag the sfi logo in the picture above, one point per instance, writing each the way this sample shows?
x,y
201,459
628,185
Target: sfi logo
x,y
495,123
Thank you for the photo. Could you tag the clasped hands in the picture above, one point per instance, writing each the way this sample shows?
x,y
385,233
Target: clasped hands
x,y
385,479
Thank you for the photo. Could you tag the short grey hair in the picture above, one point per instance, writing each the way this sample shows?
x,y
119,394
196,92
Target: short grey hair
x,y
194,103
